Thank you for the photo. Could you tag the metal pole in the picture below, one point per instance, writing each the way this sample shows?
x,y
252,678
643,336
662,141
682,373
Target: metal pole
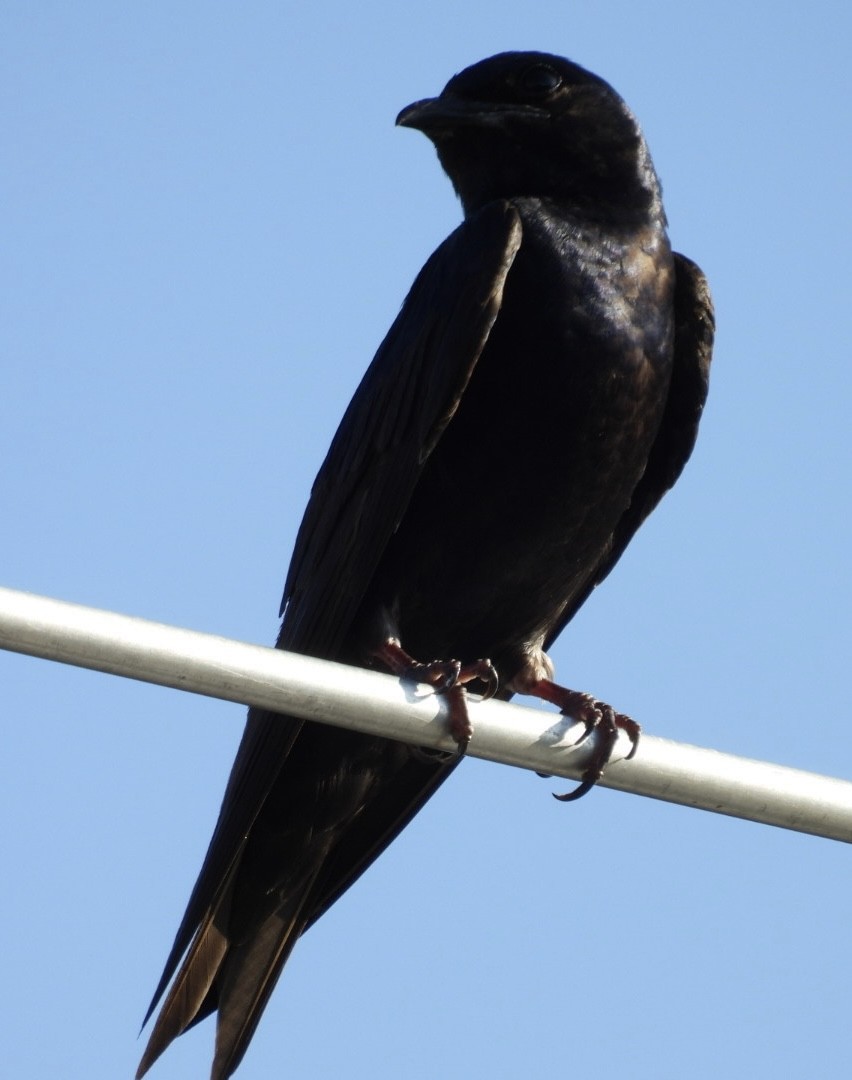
x,y
381,705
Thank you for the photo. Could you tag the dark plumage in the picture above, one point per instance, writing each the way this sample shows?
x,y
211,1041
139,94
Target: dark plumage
x,y
537,395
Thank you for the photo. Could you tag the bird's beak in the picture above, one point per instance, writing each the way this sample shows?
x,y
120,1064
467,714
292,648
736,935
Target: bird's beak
x,y
447,112
424,115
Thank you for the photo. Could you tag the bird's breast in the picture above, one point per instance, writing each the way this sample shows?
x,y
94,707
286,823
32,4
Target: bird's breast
x,y
518,501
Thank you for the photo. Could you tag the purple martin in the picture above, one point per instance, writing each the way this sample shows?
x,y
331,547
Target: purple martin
x,y
536,397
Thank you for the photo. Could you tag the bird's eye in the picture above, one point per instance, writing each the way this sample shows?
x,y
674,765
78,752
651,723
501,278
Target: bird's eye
x,y
539,80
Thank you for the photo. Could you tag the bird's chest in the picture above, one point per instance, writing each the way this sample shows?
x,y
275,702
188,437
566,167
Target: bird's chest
x,y
570,388
537,466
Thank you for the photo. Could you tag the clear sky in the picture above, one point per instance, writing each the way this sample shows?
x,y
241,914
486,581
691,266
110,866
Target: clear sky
x,y
208,223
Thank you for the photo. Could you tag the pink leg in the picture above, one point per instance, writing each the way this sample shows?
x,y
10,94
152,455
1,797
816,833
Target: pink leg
x,y
597,716
447,676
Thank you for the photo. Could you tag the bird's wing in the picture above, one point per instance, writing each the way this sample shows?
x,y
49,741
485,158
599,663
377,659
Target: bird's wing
x,y
404,402
694,326
378,825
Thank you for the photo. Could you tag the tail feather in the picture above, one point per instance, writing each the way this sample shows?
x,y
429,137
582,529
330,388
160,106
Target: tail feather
x,y
248,977
234,977
188,993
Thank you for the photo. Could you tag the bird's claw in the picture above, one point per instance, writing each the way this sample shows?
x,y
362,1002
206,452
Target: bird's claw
x,y
595,716
583,708
608,723
485,672
446,677
442,675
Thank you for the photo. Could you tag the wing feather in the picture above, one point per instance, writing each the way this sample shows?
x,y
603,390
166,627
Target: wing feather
x,y
404,402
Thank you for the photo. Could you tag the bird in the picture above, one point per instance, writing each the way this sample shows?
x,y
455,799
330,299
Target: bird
x,y
535,398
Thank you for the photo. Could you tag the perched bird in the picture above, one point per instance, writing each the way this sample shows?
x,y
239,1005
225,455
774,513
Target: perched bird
x,y
537,395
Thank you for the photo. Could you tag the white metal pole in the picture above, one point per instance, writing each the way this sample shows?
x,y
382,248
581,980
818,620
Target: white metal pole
x,y
379,704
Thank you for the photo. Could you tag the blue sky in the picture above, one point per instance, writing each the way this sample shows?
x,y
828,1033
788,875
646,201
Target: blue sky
x,y
209,221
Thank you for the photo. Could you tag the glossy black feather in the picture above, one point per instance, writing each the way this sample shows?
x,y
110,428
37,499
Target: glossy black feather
x,y
537,395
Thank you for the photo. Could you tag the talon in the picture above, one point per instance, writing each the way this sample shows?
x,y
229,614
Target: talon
x,y
583,708
446,677
633,730
592,722
610,724
483,670
584,787
443,675
596,716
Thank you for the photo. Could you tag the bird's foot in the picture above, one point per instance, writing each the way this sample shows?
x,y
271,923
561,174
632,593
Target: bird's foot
x,y
448,677
596,716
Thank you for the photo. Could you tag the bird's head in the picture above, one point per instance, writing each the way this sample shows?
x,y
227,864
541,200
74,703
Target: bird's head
x,y
531,124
